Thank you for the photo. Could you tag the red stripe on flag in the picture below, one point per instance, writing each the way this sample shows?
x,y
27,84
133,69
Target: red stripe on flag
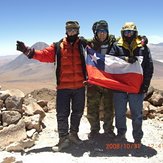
x,y
127,82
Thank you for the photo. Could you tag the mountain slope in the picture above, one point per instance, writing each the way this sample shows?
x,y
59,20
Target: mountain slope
x,y
157,51
22,59
158,69
22,68
6,59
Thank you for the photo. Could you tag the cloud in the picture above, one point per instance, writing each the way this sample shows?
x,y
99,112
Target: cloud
x,y
155,39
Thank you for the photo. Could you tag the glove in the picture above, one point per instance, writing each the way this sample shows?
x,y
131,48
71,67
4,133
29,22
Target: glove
x,y
143,88
131,60
21,46
144,40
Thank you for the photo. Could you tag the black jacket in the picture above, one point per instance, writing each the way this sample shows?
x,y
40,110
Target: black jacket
x,y
122,50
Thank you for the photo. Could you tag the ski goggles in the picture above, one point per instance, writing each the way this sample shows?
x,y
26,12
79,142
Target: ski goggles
x,y
102,31
128,33
75,30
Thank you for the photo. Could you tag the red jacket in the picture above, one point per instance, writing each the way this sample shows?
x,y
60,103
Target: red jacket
x,y
71,73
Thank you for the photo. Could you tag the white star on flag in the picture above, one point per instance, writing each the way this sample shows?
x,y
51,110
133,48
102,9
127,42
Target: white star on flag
x,y
94,58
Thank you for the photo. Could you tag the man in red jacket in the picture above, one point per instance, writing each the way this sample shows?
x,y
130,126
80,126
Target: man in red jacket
x,y
70,73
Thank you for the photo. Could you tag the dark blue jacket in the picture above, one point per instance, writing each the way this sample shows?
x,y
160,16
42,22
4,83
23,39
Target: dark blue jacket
x,y
122,50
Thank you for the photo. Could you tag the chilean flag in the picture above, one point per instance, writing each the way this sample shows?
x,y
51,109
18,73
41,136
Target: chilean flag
x,y
113,72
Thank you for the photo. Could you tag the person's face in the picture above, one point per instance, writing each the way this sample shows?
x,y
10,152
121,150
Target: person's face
x,y
102,34
129,33
71,31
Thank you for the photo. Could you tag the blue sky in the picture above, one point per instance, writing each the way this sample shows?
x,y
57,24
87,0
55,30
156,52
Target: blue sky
x,y
44,20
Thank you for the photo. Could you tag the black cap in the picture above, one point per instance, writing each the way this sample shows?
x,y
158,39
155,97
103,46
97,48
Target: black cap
x,y
102,24
72,24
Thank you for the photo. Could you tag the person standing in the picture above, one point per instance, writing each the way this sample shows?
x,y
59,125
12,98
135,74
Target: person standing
x,y
70,75
130,48
97,95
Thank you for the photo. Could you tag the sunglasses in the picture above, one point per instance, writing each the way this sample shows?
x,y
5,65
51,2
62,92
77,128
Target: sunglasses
x,y
102,31
128,33
72,30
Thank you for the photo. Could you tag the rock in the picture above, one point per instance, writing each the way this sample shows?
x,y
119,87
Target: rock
x,y
151,115
51,105
14,102
42,94
149,93
20,146
10,117
9,159
159,110
12,133
33,122
31,132
157,98
16,147
42,103
1,104
34,108
3,95
14,92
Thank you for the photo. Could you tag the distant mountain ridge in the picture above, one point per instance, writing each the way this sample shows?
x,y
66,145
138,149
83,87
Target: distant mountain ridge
x,y
6,59
22,59
22,68
156,51
159,44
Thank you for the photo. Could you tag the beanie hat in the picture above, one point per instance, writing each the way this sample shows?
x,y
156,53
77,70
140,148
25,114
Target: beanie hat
x,y
102,24
72,24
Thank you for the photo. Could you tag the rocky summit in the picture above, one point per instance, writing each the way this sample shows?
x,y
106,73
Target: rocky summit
x,y
28,131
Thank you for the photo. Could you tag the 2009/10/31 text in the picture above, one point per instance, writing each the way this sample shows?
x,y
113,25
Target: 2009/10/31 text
x,y
116,146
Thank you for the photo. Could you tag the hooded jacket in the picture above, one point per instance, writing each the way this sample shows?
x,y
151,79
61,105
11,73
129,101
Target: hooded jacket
x,y
122,49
